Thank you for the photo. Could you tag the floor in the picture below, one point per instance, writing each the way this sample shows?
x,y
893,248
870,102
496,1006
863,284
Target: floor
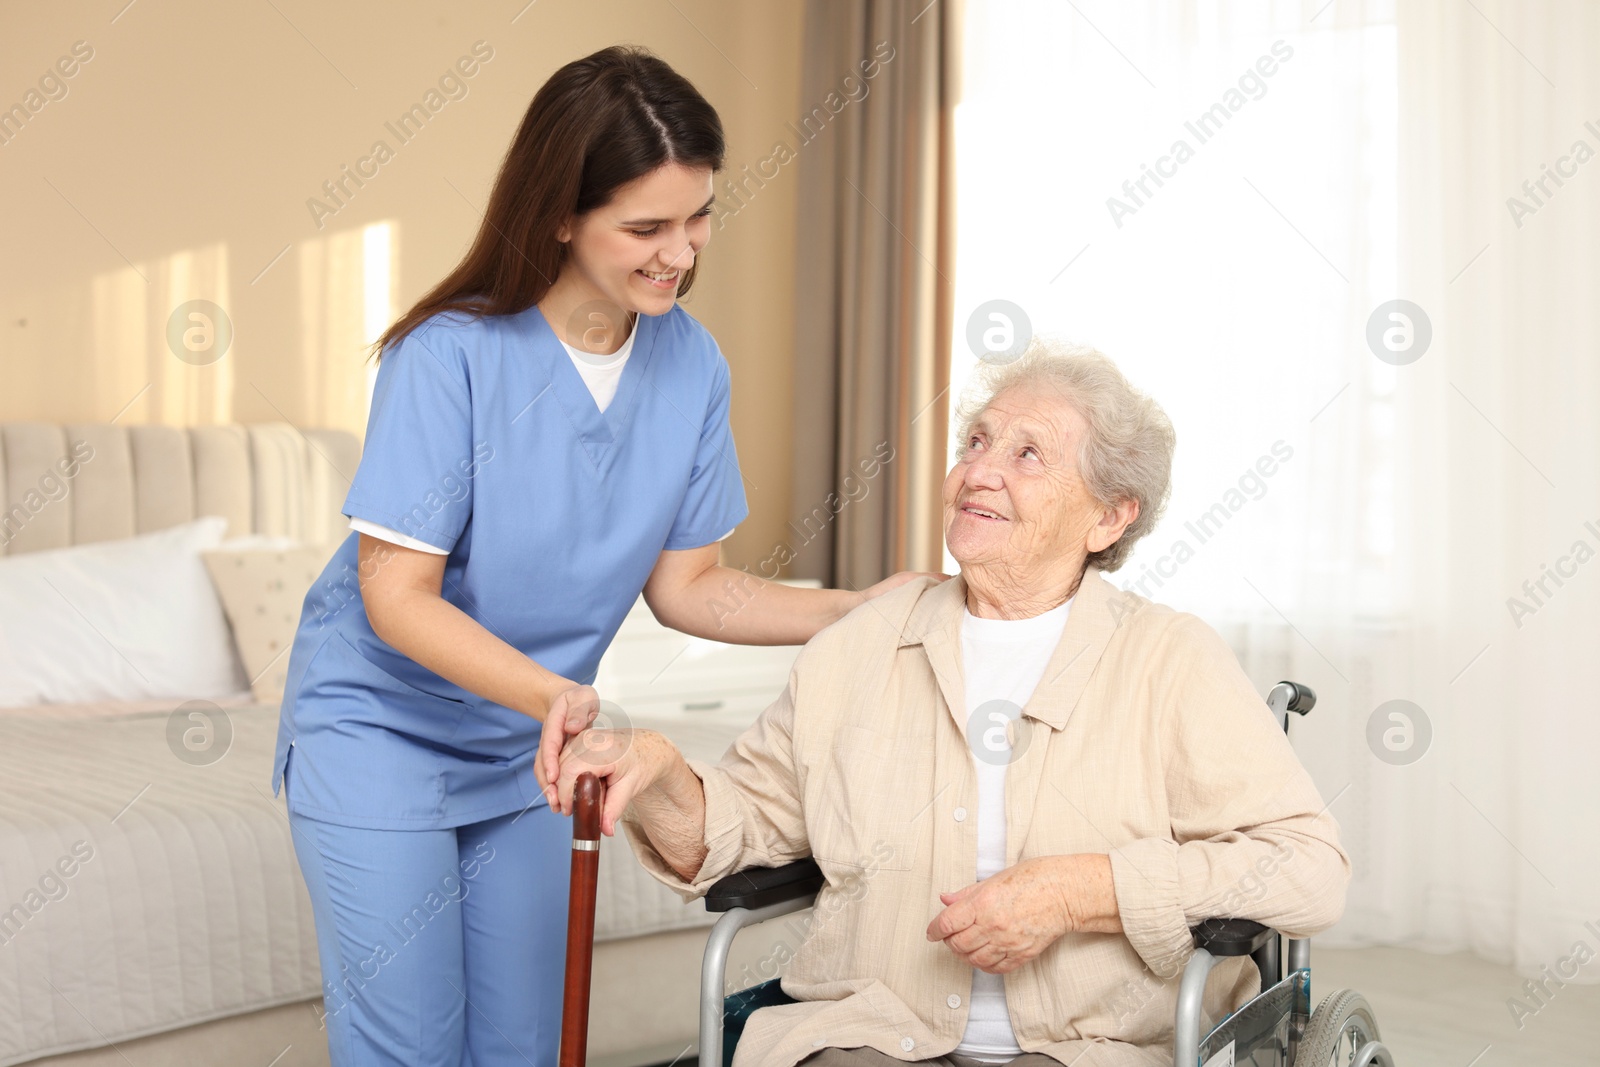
x,y
1435,1011
1450,1011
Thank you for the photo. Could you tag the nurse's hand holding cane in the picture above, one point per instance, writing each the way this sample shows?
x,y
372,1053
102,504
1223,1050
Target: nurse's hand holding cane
x,y
572,712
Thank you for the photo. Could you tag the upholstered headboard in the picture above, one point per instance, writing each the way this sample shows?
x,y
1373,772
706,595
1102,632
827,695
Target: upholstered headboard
x,y
81,482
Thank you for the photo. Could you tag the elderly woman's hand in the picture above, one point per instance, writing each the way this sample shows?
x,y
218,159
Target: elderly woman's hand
x,y
642,768
1000,923
627,762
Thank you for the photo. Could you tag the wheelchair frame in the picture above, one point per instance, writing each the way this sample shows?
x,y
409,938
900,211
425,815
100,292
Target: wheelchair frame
x,y
756,895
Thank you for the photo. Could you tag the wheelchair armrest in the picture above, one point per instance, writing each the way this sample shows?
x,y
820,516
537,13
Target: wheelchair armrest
x,y
1230,937
758,887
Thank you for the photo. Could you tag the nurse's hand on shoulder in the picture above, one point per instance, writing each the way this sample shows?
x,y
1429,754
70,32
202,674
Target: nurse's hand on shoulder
x,y
571,713
627,762
895,581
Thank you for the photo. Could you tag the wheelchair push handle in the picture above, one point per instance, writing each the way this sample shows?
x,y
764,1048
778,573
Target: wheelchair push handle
x,y
587,799
1297,697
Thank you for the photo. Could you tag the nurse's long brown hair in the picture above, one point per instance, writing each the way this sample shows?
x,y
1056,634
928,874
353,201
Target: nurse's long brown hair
x,y
599,123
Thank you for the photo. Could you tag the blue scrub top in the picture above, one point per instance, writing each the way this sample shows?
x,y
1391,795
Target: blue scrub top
x,y
484,441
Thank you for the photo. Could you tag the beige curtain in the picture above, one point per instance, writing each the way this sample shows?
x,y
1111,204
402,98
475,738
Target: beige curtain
x,y
874,289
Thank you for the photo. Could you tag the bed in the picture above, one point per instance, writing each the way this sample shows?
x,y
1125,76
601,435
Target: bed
x,y
153,910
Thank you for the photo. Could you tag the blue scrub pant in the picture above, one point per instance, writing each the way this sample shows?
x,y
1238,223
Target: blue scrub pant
x,y
440,948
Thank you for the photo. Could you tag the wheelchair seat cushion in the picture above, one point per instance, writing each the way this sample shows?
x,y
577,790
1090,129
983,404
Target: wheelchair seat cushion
x,y
737,1009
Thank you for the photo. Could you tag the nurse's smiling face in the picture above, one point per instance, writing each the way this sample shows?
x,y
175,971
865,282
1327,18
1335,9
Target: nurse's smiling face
x,y
632,250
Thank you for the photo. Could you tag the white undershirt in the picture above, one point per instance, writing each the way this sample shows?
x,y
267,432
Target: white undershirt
x,y
600,373
1003,660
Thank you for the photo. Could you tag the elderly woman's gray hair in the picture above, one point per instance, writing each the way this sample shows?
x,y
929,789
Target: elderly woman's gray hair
x,y
1127,454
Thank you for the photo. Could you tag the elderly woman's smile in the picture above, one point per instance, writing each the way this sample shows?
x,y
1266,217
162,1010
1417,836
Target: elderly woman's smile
x,y
1017,514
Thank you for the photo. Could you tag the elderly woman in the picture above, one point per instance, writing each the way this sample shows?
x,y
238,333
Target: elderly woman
x,y
1022,785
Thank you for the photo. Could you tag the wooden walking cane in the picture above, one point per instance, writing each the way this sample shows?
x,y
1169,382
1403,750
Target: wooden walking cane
x,y
587,798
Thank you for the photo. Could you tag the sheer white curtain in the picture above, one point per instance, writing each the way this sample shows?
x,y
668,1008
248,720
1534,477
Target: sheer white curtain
x,y
1223,197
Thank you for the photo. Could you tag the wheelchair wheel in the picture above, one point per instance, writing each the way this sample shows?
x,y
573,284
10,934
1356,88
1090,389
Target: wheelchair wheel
x,y
1342,1033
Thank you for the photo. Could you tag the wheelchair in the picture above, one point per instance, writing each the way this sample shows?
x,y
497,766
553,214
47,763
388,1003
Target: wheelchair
x,y
1277,1028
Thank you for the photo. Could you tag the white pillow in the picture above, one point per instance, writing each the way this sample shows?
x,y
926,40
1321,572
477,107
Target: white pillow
x,y
260,543
133,619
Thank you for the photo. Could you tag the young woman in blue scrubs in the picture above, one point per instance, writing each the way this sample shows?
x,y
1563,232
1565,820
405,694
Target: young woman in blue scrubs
x,y
548,439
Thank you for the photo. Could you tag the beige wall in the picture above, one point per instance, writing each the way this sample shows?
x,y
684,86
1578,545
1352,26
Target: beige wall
x,y
179,162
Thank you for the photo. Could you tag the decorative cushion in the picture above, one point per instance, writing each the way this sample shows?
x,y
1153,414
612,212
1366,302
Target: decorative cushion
x,y
262,591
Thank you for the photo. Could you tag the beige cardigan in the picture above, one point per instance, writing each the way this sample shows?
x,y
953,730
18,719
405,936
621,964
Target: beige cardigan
x,y
1144,740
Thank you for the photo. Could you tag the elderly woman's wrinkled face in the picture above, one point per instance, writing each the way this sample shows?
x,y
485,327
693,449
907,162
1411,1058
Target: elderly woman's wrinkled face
x,y
1014,497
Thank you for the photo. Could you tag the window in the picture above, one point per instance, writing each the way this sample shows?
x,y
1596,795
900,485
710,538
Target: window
x,y
1210,200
